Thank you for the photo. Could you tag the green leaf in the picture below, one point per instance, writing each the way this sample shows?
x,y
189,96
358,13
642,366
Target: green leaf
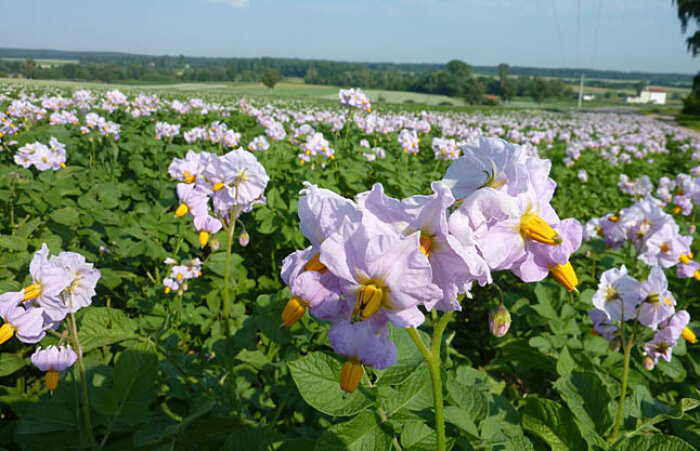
x,y
66,216
408,360
655,443
362,433
135,371
565,364
462,420
588,399
101,326
468,398
249,438
553,423
13,243
317,376
685,405
9,363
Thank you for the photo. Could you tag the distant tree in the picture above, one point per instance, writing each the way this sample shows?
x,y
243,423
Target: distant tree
x,y
689,10
472,91
270,78
509,89
691,104
30,69
459,69
503,71
231,71
538,90
640,86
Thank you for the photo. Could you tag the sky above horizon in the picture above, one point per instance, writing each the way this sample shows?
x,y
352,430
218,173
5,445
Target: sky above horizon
x,y
627,35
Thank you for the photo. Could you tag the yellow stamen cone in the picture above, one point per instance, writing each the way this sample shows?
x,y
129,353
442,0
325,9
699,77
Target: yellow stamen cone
x,y
167,290
189,178
52,378
426,244
203,238
315,264
293,311
689,335
696,275
534,228
7,330
684,259
369,300
32,292
351,375
218,186
182,210
565,275
614,218
676,210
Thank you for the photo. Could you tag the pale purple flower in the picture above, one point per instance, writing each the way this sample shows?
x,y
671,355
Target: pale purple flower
x,y
361,341
615,289
237,179
657,302
54,358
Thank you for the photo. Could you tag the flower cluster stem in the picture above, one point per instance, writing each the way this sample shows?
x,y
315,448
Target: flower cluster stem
x,y
623,391
432,357
83,381
226,308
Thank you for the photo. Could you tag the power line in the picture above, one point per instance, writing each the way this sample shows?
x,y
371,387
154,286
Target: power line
x,y
578,32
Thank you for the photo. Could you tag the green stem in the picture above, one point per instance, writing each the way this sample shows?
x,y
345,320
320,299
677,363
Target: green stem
x,y
226,309
83,382
623,388
432,357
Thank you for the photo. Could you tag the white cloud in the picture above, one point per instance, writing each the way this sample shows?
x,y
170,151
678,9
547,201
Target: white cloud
x,y
232,3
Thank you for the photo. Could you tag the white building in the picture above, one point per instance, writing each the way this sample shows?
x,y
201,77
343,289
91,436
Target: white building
x,y
588,97
649,95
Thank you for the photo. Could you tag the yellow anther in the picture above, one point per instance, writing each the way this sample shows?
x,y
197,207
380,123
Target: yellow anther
x,y
664,247
7,330
52,378
368,302
32,292
689,335
218,186
315,264
167,290
676,210
614,218
293,311
203,238
189,178
533,227
351,375
426,244
565,275
684,259
179,276
182,210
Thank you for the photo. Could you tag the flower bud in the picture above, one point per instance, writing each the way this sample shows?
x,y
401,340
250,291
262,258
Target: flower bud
x,y
244,238
214,244
615,345
499,321
648,363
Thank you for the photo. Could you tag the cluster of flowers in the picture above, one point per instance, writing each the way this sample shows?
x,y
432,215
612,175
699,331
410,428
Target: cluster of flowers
x,y
234,182
181,273
372,153
354,97
63,118
316,145
445,149
216,133
7,126
621,298
61,284
683,191
41,156
105,127
654,234
375,260
167,131
409,140
259,144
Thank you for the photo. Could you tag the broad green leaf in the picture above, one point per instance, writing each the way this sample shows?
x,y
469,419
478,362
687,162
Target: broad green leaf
x,y
362,433
135,371
101,326
66,216
655,443
13,242
317,376
588,399
9,363
553,423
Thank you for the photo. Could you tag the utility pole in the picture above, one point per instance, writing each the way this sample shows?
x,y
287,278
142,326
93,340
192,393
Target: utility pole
x,y
580,93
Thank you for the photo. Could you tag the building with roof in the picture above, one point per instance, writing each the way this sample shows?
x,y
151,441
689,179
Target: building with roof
x,y
656,96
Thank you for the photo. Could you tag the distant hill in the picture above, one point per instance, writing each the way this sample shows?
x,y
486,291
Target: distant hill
x,y
296,67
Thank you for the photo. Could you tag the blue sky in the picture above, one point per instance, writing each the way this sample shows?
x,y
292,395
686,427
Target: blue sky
x,y
631,34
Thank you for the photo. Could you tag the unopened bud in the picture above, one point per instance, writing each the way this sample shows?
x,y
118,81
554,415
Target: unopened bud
x,y
244,238
214,244
499,321
615,345
648,363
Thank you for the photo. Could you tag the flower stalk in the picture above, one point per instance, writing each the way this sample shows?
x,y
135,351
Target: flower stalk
x,y
432,357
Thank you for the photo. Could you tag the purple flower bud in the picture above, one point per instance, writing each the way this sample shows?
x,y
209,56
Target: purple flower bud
x,y
499,321
244,238
214,244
